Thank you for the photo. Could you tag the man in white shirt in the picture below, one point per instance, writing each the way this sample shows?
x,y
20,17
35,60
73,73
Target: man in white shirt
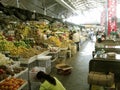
x,y
76,39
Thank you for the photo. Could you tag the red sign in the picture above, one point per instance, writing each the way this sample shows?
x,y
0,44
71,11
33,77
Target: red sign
x,y
112,22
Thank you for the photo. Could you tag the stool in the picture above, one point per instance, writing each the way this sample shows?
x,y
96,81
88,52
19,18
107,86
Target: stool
x,y
63,69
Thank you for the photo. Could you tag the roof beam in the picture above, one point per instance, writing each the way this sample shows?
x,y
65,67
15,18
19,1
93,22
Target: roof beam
x,y
51,6
64,4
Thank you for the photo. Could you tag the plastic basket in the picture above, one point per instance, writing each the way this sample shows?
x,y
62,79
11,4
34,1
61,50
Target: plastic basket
x,y
34,71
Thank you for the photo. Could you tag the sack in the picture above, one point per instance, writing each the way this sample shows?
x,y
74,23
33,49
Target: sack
x,y
102,79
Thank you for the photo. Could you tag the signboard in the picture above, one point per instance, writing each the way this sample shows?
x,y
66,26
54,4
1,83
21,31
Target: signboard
x,y
112,22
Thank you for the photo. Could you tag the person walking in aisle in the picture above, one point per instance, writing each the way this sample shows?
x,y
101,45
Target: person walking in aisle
x,y
76,39
49,82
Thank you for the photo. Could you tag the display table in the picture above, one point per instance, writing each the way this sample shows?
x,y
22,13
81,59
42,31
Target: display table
x,y
108,56
108,46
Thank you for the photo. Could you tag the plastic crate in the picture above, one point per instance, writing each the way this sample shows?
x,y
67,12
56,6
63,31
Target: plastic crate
x,y
34,71
45,61
35,85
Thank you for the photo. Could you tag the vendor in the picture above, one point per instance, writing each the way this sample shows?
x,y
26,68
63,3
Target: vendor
x,y
76,39
49,82
101,39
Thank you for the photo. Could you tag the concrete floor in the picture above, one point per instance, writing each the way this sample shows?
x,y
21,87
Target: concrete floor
x,y
77,80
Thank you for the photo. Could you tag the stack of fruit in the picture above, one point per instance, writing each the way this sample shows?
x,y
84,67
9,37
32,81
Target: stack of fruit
x,y
16,51
6,45
5,60
53,49
54,41
8,71
11,84
30,53
18,69
2,74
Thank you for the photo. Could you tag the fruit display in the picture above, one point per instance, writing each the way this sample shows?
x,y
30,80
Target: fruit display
x,y
25,31
5,60
2,37
16,51
6,45
30,53
2,74
20,43
11,84
64,44
53,49
6,71
18,69
54,41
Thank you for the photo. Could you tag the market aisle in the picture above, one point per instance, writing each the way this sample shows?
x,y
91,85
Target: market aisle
x,y
77,80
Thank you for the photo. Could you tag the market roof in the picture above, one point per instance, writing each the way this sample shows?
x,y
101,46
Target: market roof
x,y
56,8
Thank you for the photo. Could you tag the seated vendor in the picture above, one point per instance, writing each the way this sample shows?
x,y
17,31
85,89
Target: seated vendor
x,y
99,40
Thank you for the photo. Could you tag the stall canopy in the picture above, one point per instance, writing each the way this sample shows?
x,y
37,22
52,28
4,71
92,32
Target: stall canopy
x,y
61,9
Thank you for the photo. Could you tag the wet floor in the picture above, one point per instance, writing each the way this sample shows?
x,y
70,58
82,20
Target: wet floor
x,y
77,80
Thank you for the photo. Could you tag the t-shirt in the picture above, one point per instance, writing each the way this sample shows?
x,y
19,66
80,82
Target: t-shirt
x,y
48,86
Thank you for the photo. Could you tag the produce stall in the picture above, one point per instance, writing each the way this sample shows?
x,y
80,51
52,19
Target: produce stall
x,y
10,74
23,47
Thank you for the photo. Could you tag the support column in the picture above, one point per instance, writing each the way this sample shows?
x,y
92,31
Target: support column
x,y
18,5
45,11
106,17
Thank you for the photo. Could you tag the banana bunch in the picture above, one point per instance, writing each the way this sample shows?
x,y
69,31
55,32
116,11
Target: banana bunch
x,y
25,31
54,40
30,52
16,51
22,49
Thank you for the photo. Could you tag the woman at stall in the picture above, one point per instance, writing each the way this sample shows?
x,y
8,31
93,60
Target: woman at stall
x,y
49,82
